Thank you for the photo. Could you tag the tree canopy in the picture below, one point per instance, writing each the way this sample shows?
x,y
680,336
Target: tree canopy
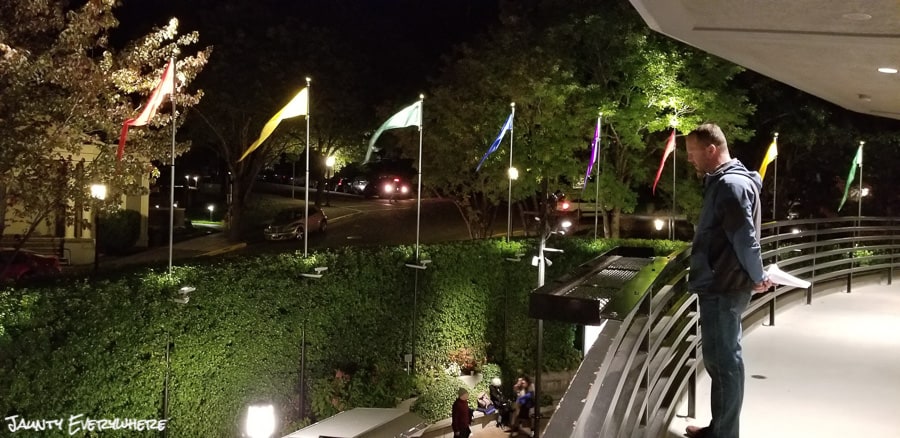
x,y
561,71
65,91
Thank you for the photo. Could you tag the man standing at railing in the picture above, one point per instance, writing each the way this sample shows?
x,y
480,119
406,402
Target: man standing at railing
x,y
726,268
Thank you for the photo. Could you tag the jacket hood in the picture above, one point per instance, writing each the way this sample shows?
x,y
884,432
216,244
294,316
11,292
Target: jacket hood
x,y
734,167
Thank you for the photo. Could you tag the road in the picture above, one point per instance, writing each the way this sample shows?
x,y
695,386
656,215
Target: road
x,y
356,221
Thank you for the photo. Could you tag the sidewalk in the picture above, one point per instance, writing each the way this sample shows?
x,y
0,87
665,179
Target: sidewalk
x,y
211,244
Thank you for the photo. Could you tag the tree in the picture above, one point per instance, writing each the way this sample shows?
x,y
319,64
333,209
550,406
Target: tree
x,y
560,69
469,104
816,142
64,93
256,71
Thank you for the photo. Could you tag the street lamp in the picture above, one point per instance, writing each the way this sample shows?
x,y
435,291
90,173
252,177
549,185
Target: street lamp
x,y
210,207
547,229
98,192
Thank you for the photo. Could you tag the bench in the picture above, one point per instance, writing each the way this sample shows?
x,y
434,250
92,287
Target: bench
x,y
43,245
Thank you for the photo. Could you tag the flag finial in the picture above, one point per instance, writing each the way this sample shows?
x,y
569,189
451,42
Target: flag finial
x,y
421,96
512,104
862,143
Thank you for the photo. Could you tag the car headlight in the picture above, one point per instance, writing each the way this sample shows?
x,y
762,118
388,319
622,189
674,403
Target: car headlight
x,y
388,188
404,189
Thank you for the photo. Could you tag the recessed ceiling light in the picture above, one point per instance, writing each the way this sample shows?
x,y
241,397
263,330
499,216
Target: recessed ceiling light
x,y
857,16
888,70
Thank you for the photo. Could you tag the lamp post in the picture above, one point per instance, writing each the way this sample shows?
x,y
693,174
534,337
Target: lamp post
x,y
98,192
658,224
547,229
329,166
513,174
210,207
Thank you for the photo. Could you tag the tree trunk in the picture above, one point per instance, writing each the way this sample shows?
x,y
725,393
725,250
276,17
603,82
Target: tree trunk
x,y
616,222
236,210
3,201
605,223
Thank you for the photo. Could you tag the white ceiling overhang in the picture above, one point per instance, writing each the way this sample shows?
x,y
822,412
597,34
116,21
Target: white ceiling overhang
x,y
828,48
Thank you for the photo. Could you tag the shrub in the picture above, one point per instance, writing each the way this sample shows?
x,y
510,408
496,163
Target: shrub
x,y
119,231
100,347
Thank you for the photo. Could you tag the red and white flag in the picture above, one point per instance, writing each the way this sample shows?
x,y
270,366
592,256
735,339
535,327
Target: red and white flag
x,y
670,147
165,87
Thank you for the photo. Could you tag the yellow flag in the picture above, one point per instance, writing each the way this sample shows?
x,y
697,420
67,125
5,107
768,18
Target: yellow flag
x,y
771,155
298,106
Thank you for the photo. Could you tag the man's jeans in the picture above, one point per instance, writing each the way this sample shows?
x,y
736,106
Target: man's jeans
x,y
720,325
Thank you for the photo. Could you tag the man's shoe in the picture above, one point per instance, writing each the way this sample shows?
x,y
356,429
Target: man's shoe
x,y
696,432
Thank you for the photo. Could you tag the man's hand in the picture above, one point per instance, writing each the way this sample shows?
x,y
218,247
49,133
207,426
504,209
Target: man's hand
x,y
762,286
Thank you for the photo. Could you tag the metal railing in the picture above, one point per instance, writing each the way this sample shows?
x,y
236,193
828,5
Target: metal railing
x,y
647,359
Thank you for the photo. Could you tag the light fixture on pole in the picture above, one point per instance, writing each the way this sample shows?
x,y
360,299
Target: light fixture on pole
x,y
658,224
210,207
547,229
319,270
98,192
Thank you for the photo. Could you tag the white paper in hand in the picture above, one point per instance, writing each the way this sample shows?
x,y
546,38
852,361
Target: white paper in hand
x,y
783,278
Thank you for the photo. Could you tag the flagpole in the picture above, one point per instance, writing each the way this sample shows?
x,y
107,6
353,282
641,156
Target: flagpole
x,y
172,176
775,182
597,178
419,190
859,206
674,205
305,184
509,175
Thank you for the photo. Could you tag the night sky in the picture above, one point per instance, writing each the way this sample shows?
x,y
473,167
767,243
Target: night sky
x,y
415,32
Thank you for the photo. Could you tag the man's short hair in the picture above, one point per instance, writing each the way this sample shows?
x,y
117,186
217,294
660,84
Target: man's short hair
x,y
709,134
462,391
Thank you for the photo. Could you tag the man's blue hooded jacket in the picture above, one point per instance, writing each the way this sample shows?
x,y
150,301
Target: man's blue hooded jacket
x,y
725,256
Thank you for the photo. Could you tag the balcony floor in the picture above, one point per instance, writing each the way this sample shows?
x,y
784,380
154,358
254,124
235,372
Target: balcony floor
x,y
827,370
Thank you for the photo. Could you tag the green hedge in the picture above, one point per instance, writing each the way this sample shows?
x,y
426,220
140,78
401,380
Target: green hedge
x,y
98,348
119,231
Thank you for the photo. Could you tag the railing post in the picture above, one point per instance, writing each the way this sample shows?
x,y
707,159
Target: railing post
x,y
772,308
645,415
809,290
891,267
692,379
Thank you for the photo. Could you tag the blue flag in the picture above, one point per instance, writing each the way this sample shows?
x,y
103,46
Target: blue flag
x,y
496,144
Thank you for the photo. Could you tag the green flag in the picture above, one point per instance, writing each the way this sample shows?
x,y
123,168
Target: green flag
x,y
409,116
857,162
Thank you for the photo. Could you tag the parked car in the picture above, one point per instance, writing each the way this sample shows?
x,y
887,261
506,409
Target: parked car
x,y
389,187
339,184
357,185
288,224
26,264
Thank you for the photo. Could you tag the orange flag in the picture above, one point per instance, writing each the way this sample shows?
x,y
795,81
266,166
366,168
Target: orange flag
x,y
165,87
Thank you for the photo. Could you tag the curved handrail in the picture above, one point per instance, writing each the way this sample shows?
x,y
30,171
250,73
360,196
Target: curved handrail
x,y
643,364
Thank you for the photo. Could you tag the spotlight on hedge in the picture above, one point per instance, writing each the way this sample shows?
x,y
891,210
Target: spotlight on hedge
x,y
260,421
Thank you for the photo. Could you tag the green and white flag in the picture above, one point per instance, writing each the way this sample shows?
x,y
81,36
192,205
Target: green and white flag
x,y
857,162
409,116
